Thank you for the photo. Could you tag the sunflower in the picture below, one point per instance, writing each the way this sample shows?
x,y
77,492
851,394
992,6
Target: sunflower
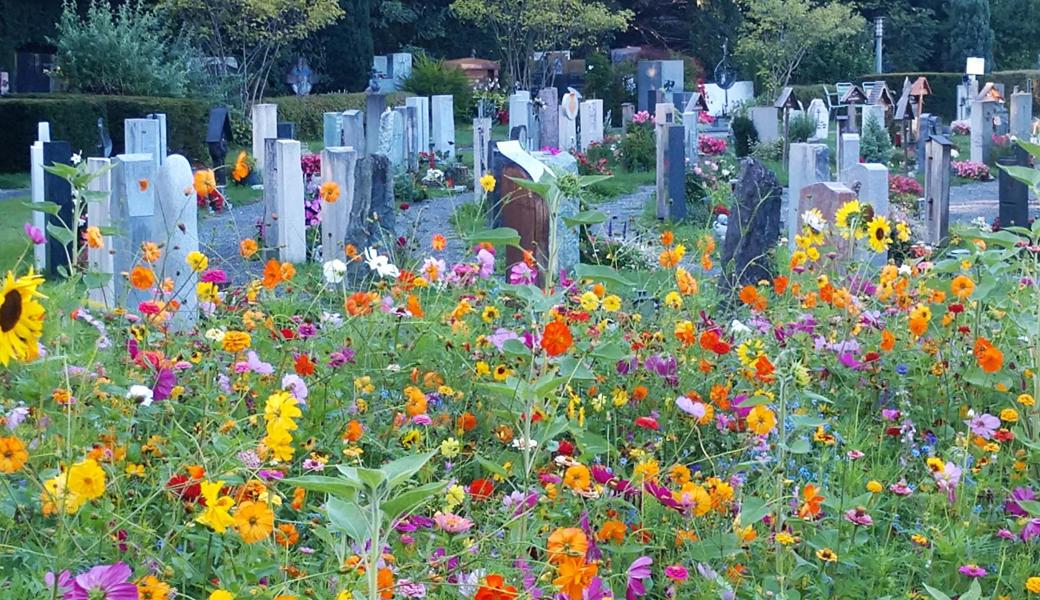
x,y
21,318
879,234
846,216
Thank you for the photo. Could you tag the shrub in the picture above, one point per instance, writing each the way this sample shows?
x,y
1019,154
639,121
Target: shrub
x,y
875,146
432,77
711,146
970,169
744,135
800,128
123,51
769,151
307,112
611,83
73,117
638,148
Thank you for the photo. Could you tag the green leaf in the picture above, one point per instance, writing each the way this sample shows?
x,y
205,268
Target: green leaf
x,y
590,444
575,368
542,189
1030,147
715,547
59,233
799,446
406,502
612,352
61,170
1031,506
336,486
547,384
753,510
1026,175
47,207
491,467
402,469
974,591
807,422
94,280
504,236
590,180
90,196
587,217
935,593
371,478
515,347
602,273
348,518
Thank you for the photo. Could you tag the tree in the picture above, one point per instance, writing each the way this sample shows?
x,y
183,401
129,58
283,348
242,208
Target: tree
x,y
777,35
1016,29
252,32
968,33
345,71
523,27
911,32
875,145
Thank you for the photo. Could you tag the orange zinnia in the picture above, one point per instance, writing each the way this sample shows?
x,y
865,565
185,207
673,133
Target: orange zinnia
x,y
749,295
93,237
611,531
354,431
667,238
142,278
495,588
779,285
329,192
358,303
272,274
385,582
248,247
962,286
989,356
439,242
567,542
415,307
888,341
573,576
556,338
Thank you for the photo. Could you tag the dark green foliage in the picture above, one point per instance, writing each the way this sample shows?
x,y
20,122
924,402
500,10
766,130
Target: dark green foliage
x,y
638,148
25,23
912,32
836,60
408,189
800,128
1016,25
606,81
432,77
342,56
307,112
968,33
74,118
875,146
744,135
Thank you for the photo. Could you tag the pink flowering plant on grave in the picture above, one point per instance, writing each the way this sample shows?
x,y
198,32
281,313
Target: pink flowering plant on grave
x,y
970,169
711,146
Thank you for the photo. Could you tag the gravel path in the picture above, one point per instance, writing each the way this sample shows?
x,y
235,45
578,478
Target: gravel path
x,y
624,212
979,200
422,220
220,233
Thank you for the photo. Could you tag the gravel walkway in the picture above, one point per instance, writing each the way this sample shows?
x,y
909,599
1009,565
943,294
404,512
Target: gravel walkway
x,y
220,233
980,200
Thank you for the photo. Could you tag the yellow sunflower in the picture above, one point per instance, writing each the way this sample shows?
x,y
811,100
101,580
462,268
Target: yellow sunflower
x,y
846,216
21,318
879,233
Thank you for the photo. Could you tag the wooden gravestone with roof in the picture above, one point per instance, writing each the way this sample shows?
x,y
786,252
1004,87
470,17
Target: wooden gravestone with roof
x,y
853,97
785,102
218,137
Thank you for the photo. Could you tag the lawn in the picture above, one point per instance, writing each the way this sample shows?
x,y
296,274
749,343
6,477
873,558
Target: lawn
x,y
14,181
12,237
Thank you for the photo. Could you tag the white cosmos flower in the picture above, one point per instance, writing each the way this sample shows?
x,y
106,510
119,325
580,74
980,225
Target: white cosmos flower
x,y
814,219
738,328
214,334
334,270
76,158
141,393
380,264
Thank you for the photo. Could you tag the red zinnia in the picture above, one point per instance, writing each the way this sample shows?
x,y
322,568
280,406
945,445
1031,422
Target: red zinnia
x,y
556,338
481,489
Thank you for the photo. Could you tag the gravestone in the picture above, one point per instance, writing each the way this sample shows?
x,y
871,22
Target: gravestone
x,y
373,213
937,189
1012,194
442,124
99,260
265,126
375,106
218,136
870,183
421,104
548,117
286,130
657,75
338,166
400,64
411,137
818,111
591,115
144,136
754,226
353,123
520,115
876,111
569,108
177,221
691,129
827,197
849,154
1021,125
664,117
675,168
104,139
163,139
57,190
808,164
392,140
766,121
982,113
481,151
284,214
36,173
132,212
628,112
332,129
928,126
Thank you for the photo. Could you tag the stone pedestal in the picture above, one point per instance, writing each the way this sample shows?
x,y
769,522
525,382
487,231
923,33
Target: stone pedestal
x,y
767,122
337,165
849,153
421,104
664,118
442,124
691,124
99,260
982,130
265,126
36,172
548,117
591,116
1021,125
177,221
1013,195
353,122
520,117
132,212
808,164
58,191
284,215
332,129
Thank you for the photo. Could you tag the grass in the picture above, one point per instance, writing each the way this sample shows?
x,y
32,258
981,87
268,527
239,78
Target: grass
x,y
622,183
12,237
14,181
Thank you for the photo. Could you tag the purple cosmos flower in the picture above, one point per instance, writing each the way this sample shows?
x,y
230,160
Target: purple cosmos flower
x,y
1030,530
486,261
972,571
638,572
501,336
1005,534
1012,506
984,425
296,386
341,357
696,410
521,274
35,234
597,590
165,380
103,582
677,573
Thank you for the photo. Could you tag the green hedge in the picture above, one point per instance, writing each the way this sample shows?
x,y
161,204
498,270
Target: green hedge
x,y
73,117
307,112
943,101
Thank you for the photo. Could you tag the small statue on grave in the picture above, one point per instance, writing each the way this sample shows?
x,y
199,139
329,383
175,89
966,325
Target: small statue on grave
x,y
299,78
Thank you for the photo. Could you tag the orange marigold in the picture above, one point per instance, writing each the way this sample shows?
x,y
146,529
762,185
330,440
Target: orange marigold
x,y
556,338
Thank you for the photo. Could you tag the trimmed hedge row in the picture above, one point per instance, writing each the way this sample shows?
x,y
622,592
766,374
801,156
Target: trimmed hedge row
x,y
943,101
73,117
307,112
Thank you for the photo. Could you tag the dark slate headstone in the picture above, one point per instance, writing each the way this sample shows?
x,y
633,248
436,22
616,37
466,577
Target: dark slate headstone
x,y
372,215
519,133
676,175
57,190
286,130
754,226
218,136
1013,195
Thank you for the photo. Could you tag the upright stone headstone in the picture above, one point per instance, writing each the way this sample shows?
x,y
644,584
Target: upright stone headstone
x,y
392,138
548,117
144,136
691,126
937,189
442,124
873,111
265,126
569,108
164,147
372,214
177,223
337,165
332,129
870,182
353,122
400,64
849,154
411,137
653,76
375,106
422,123
132,212
36,173
818,111
827,197
754,226
664,118
982,112
99,260
285,234
1021,117
591,116
520,115
481,151
1012,194
57,190
808,164
675,167
628,112
767,122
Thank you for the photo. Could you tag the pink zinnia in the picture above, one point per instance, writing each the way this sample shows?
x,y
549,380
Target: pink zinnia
x,y
972,571
452,523
676,573
858,516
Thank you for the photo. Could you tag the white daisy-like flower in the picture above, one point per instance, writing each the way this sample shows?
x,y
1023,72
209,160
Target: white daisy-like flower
x,y
334,270
380,264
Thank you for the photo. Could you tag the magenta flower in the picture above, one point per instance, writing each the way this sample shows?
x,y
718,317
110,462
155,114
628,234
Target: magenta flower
x,y
638,572
35,234
676,573
972,571
1012,506
214,276
984,425
103,582
901,488
858,516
